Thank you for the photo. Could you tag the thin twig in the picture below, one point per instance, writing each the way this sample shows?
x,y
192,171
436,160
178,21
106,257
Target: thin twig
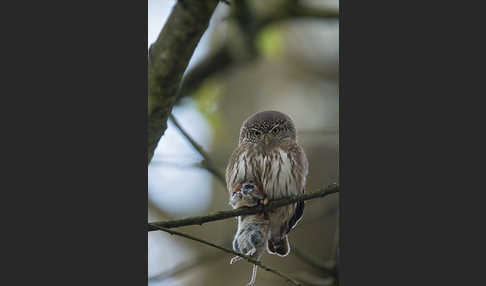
x,y
199,220
206,163
287,278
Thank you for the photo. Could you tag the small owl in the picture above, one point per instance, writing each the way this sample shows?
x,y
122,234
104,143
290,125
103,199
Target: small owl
x,y
269,156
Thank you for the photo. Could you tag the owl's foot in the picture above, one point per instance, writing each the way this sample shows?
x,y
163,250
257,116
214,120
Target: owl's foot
x,y
247,196
250,190
239,200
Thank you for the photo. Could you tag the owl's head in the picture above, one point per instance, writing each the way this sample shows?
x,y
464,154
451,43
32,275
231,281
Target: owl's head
x,y
267,127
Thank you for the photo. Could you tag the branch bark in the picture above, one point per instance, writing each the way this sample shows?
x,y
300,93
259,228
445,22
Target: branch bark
x,y
199,220
168,59
287,278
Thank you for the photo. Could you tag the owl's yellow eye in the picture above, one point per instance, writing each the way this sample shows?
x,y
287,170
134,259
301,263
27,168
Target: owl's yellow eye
x,y
257,133
275,131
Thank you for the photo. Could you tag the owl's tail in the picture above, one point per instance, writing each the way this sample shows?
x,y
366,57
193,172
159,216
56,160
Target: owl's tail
x,y
280,247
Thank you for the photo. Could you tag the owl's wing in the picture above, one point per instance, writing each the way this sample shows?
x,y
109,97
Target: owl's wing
x,y
299,211
235,167
300,158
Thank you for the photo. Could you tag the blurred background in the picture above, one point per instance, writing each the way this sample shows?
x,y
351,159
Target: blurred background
x,y
291,65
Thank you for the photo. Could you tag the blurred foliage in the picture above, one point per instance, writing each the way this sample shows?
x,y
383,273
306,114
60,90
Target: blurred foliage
x,y
208,98
270,42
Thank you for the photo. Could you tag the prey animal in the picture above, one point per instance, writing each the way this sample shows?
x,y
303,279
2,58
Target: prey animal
x,y
268,158
252,234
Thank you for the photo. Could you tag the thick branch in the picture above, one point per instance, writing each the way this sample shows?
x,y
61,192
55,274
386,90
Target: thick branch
x,y
245,18
199,220
287,278
168,59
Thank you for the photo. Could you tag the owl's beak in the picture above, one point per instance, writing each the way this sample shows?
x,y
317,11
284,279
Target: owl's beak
x,y
265,139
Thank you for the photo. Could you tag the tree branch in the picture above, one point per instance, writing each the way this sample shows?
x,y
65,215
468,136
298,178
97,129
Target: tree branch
x,y
199,220
168,59
245,18
287,278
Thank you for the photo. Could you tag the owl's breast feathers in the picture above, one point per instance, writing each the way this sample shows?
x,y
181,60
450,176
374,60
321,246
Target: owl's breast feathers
x,y
280,171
